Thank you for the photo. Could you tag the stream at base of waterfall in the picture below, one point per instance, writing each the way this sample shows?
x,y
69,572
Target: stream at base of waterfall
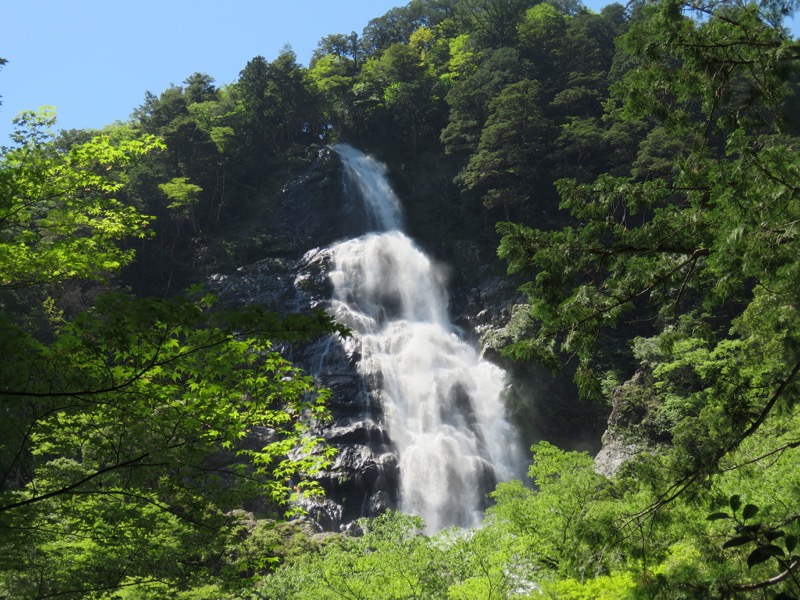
x,y
442,403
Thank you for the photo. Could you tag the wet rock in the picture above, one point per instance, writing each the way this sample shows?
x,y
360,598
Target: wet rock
x,y
312,214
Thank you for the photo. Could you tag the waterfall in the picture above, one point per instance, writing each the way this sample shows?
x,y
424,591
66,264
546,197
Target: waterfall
x,y
442,403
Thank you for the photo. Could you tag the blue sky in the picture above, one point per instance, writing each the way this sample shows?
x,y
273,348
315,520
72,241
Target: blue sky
x,y
93,60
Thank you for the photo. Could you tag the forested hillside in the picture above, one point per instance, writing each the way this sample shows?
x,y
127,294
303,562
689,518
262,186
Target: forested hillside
x,y
635,171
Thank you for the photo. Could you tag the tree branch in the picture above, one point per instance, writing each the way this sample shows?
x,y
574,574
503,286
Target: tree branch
x,y
80,482
678,487
749,587
104,588
780,450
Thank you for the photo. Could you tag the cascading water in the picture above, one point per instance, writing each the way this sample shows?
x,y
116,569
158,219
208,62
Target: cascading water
x,y
442,403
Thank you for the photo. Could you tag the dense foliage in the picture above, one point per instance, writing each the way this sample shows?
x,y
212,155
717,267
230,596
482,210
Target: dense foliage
x,y
123,442
643,163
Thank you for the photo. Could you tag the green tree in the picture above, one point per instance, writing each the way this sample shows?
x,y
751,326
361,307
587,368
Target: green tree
x,y
279,108
253,89
200,88
398,24
493,22
294,104
341,46
702,249
332,77
411,91
124,437
549,521
513,142
541,34
678,243
188,131
481,76
392,559
58,215
137,412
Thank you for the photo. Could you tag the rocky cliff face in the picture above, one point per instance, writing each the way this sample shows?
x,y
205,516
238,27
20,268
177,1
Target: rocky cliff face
x,y
313,213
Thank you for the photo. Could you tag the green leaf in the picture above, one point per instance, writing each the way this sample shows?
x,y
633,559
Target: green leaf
x,y
735,502
750,511
790,542
717,516
773,534
737,541
762,554
751,529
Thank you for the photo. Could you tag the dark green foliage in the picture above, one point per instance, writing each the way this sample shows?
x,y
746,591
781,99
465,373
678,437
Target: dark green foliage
x,y
512,147
480,78
764,543
696,240
493,23
397,25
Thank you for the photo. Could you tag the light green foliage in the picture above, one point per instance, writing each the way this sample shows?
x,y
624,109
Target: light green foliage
x,y
461,60
542,29
329,75
548,520
481,77
578,535
258,547
332,76
58,215
486,563
129,430
181,194
127,436
605,587
422,40
392,560
402,88
575,535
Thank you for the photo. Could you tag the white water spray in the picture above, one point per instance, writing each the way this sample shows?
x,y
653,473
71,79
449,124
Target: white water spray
x,y
442,402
